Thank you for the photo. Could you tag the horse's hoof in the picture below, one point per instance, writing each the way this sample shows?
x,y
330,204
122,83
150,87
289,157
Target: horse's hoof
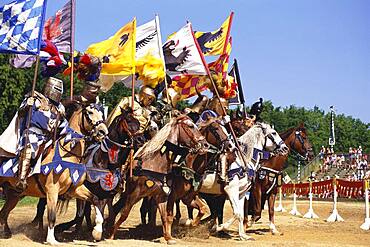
x,y
6,235
52,242
97,235
171,241
245,237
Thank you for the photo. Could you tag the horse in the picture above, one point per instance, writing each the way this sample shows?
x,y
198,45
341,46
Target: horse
x,y
259,136
55,179
154,165
100,158
269,175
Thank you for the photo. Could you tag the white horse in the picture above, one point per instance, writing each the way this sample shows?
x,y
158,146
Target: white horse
x,y
263,137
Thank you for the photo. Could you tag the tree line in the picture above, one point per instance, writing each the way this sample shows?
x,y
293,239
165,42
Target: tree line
x,y
350,132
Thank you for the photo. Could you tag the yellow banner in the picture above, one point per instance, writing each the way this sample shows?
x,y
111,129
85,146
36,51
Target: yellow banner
x,y
117,52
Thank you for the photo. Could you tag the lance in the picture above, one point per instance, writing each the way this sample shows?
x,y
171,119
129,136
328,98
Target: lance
x,y
218,97
73,8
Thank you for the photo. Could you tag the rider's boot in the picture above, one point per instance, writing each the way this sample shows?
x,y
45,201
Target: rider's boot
x,y
222,178
24,167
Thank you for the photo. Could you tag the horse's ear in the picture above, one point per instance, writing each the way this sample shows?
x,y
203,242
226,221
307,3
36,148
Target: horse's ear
x,y
233,115
301,125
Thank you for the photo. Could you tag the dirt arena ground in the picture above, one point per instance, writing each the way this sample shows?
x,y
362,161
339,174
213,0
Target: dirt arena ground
x,y
296,231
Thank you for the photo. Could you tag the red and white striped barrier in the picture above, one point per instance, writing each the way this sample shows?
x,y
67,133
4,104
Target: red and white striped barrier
x,y
336,187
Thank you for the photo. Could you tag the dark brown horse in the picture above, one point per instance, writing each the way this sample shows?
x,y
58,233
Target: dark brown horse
x,y
155,166
269,176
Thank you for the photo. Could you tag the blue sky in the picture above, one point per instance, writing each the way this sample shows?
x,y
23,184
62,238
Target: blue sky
x,y
305,53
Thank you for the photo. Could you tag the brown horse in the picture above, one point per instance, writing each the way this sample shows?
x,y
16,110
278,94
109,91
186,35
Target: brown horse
x,y
154,167
269,176
103,158
58,180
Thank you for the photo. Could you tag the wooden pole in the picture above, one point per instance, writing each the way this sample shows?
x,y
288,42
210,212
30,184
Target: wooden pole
x,y
73,6
219,98
161,55
133,91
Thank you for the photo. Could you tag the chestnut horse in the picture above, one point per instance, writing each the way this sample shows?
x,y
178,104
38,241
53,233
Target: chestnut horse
x,y
87,121
269,176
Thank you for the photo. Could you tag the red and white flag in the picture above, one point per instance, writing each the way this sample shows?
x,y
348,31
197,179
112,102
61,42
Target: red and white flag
x,y
57,29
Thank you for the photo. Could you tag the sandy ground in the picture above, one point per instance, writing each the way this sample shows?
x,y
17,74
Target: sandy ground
x,y
296,231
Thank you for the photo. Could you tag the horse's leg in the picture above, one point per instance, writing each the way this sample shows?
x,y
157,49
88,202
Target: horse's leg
x,y
271,204
246,210
52,199
166,212
87,214
97,232
39,218
12,199
178,211
220,203
132,195
195,202
256,203
144,210
152,212
76,221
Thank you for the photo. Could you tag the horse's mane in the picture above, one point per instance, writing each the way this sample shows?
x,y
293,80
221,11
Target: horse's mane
x,y
249,139
284,135
71,107
156,142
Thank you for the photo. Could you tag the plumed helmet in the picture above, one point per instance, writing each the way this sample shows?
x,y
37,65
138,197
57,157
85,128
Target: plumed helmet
x,y
173,96
53,89
257,108
146,95
217,105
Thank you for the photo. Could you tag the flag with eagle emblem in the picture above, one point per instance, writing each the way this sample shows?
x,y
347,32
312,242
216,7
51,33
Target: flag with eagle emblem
x,y
118,52
188,85
213,43
181,54
149,66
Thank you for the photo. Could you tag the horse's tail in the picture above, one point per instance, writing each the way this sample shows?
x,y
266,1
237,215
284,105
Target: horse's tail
x,y
62,206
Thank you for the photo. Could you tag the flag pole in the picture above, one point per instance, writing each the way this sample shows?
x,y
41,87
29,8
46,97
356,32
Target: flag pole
x,y
218,96
162,56
228,32
133,91
73,7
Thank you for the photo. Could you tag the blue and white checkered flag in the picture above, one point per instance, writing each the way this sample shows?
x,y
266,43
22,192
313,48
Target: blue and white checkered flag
x,y
21,25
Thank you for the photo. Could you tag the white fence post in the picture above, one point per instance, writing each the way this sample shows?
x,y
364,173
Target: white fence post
x,y
335,215
294,210
310,214
280,207
366,224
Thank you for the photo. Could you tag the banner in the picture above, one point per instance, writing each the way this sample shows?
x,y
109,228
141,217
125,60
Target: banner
x,y
21,25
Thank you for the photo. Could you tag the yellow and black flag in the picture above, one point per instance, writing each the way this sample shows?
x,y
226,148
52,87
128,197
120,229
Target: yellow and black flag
x,y
214,43
117,52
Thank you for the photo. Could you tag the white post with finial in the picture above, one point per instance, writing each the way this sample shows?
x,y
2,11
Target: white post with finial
x,y
366,224
294,210
280,207
310,214
335,215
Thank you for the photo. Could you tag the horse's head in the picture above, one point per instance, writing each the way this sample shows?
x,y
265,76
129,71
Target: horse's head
x,y
272,140
215,133
93,121
299,142
189,135
125,126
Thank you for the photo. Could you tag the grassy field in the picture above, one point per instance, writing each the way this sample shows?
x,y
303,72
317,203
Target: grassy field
x,y
26,201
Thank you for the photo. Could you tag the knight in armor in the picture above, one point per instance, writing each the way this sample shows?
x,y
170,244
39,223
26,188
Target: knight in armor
x,y
256,109
142,107
47,122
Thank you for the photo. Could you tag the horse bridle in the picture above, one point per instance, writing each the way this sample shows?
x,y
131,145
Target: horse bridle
x,y
272,139
197,145
85,117
301,141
